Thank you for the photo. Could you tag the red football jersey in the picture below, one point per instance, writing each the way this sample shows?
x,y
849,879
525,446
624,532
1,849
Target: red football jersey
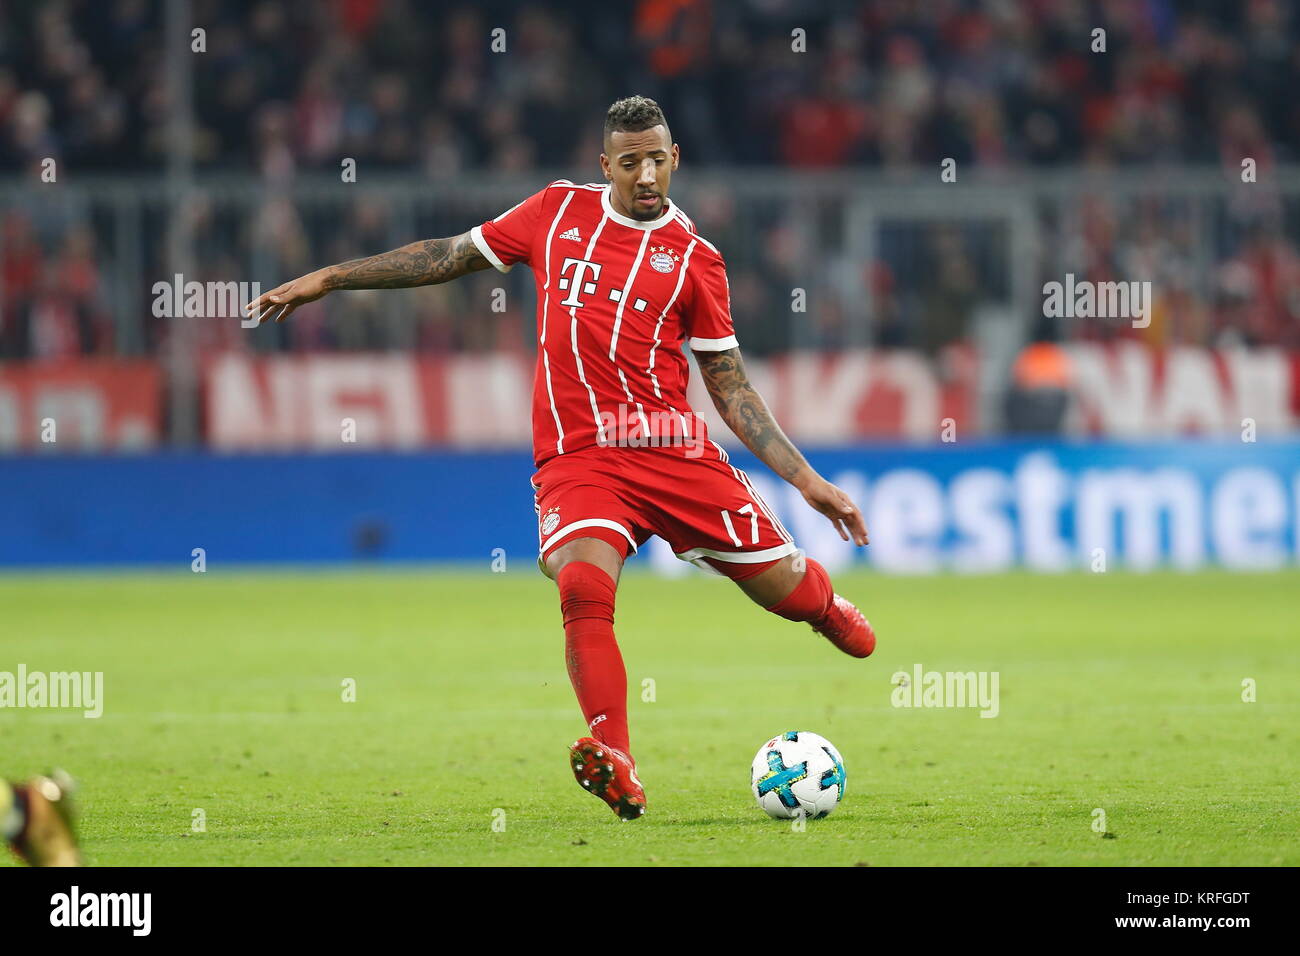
x,y
616,298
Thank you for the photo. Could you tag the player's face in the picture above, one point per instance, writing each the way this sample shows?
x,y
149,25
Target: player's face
x,y
640,165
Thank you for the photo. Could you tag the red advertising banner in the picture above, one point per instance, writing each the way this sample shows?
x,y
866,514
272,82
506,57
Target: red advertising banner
x,y
483,401
479,401
1127,390
80,405
344,401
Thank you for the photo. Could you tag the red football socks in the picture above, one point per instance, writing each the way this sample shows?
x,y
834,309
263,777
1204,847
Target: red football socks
x,y
811,597
591,653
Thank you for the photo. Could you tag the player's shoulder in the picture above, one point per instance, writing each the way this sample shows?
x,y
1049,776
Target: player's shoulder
x,y
687,224
575,197
545,201
566,185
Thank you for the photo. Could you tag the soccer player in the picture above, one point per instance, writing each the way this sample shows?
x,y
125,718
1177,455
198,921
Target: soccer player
x,y
36,820
623,280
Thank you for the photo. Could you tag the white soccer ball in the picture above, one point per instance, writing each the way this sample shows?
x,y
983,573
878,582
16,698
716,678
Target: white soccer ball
x,y
798,774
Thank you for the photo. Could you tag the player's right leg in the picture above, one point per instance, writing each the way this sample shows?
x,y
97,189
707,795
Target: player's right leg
x,y
586,571
585,530
36,820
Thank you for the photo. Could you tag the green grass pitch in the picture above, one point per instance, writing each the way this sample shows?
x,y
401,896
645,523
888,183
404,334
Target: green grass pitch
x,y
223,692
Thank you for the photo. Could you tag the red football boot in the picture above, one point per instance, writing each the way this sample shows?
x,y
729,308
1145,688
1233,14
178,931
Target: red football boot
x,y
608,774
846,627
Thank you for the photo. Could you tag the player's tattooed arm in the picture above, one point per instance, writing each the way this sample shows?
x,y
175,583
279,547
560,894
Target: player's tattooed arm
x,y
420,263
427,262
747,414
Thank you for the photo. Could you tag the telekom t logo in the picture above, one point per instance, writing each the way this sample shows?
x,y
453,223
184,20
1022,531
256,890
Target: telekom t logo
x,y
578,281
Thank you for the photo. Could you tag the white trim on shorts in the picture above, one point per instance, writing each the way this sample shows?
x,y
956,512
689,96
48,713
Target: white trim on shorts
x,y
697,555
585,523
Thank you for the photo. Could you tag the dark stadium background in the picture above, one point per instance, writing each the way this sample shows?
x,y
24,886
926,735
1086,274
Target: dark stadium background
x,y
894,319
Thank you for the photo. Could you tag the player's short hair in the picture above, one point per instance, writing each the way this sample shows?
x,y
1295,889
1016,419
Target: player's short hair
x,y
632,114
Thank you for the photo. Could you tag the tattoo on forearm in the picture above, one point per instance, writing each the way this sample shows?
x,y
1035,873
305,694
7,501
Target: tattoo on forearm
x,y
420,263
746,414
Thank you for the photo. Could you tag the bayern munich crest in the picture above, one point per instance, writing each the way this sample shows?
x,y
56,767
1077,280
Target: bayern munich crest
x,y
663,259
551,521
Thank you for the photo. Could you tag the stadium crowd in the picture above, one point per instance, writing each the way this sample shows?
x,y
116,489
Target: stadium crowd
x,y
284,89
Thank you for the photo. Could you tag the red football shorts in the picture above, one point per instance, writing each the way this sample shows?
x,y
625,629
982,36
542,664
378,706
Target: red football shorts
x,y
703,507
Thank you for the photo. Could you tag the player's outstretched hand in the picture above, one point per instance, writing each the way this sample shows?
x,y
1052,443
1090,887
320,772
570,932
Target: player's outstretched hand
x,y
282,300
838,507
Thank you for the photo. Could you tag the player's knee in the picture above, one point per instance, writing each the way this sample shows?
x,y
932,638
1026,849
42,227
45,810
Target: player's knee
x,y
596,550
586,591
810,598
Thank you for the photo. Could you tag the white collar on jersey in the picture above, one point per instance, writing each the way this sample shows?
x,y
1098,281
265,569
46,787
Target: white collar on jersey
x,y
669,213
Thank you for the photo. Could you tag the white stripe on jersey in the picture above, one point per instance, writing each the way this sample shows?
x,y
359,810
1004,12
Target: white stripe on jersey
x,y
559,429
628,392
681,277
622,300
573,338
690,227
571,185
510,210
550,234
546,361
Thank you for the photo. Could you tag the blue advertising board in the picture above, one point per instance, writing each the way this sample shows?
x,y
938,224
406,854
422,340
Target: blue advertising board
x,y
967,507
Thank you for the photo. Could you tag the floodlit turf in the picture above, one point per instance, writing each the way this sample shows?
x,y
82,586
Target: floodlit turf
x,y
223,692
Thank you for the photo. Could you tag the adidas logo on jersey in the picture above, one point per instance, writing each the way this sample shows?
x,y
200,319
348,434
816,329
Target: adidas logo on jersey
x,y
571,234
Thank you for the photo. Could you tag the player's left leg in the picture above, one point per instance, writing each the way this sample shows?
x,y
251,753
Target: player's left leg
x,y
711,514
36,820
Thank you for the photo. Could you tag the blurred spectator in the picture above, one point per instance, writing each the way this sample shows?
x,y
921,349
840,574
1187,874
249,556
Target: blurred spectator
x,y
286,89
1039,395
877,81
